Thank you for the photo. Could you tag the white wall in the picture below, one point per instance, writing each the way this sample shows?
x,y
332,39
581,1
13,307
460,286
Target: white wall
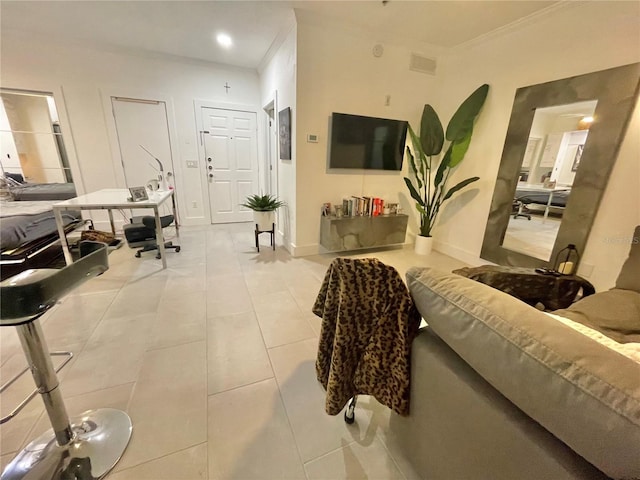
x,y
278,79
337,72
87,76
577,38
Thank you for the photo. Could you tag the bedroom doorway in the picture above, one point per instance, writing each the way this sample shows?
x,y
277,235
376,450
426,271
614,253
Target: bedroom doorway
x,y
231,162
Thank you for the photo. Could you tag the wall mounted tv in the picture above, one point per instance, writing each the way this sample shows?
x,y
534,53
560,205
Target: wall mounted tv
x,y
366,142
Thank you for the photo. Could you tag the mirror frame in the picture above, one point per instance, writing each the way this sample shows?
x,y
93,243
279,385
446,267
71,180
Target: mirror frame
x,y
616,91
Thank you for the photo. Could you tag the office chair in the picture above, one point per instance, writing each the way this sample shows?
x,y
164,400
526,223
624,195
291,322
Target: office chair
x,y
141,232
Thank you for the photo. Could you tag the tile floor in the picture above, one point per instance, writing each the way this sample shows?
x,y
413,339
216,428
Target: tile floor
x,y
213,359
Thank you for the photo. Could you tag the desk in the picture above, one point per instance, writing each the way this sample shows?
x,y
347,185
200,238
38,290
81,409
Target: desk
x,y
110,199
529,286
528,188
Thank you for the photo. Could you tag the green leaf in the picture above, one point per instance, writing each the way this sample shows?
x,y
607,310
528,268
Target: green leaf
x,y
444,164
413,167
459,186
459,148
463,119
414,193
431,132
418,151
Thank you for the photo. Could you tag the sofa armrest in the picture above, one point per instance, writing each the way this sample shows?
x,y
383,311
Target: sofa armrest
x,y
584,393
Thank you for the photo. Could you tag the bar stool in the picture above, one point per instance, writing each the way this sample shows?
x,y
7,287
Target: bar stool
x,y
89,446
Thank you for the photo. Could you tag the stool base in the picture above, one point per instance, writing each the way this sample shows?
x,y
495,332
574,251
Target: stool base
x,y
100,438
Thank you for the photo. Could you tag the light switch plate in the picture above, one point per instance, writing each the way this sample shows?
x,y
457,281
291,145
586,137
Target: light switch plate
x,y
312,138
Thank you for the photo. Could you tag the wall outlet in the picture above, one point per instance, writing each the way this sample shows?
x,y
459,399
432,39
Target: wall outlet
x,y
312,138
585,269
194,204
192,164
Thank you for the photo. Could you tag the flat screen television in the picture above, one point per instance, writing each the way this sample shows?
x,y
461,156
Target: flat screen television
x,y
366,142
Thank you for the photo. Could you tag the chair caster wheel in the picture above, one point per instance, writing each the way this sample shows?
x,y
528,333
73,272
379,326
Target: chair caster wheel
x,y
137,254
177,249
158,256
349,419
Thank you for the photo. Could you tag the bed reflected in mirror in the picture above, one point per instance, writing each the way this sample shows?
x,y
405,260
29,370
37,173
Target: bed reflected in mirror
x,y
551,159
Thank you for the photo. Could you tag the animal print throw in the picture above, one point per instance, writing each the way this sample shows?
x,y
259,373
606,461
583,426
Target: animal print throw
x,y
368,323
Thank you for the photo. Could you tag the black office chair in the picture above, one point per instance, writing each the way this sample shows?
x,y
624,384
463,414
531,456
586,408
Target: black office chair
x,y
141,232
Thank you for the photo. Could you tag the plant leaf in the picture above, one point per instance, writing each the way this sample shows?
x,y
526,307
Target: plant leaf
x,y
464,117
459,186
413,167
414,193
431,132
418,151
444,164
459,148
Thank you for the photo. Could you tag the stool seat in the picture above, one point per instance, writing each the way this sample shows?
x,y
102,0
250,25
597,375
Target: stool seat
x,y
89,446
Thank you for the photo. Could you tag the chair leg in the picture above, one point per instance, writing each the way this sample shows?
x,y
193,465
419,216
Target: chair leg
x,y
87,448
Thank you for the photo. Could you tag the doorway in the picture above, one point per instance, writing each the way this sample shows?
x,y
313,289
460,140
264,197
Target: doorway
x,y
231,162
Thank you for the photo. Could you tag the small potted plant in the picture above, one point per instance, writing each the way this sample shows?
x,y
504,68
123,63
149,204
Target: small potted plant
x,y
264,207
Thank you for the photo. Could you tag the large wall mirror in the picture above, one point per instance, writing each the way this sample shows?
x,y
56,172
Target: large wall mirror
x,y
562,141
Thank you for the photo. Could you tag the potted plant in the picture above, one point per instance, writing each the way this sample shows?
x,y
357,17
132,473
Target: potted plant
x,y
431,172
263,207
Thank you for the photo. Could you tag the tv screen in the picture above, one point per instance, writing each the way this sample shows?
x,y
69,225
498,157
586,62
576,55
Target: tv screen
x,y
366,142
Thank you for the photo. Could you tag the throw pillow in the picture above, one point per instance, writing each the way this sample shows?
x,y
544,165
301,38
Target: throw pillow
x,y
629,278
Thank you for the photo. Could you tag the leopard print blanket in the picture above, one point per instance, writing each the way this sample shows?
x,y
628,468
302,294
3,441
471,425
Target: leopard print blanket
x,y
368,323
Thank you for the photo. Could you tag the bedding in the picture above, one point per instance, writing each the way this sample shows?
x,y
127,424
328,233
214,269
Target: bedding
x,y
23,222
43,191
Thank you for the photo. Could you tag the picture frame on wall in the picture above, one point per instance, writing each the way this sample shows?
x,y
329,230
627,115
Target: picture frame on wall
x,y
284,122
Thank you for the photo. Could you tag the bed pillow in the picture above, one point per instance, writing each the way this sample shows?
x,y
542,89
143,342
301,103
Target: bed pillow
x,y
629,278
584,393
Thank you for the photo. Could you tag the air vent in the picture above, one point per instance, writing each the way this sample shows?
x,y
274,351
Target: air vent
x,y
418,63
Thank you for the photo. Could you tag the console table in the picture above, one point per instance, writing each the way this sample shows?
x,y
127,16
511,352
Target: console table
x,y
554,292
353,233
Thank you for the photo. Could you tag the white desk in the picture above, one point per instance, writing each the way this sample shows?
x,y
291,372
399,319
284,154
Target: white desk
x,y
110,199
538,188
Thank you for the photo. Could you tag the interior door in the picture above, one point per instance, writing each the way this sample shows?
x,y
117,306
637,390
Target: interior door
x,y
231,160
140,125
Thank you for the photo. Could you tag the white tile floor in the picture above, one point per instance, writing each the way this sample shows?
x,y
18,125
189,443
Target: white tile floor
x,y
213,359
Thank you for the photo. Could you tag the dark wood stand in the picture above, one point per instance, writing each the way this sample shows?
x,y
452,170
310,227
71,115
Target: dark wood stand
x,y
272,232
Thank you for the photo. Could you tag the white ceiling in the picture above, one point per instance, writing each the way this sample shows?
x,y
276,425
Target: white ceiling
x,y
188,28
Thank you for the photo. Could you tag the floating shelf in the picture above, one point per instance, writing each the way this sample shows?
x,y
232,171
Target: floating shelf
x,y
354,233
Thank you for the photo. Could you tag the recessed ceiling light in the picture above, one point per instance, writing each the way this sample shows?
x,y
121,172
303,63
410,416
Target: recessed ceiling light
x,y
224,40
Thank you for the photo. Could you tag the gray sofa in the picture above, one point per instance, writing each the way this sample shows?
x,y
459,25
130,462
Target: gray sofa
x,y
501,390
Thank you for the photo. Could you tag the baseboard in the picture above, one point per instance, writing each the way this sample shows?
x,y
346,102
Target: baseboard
x,y
304,250
459,254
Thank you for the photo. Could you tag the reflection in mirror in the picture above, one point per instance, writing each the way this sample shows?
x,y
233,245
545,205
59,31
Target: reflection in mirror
x,y
577,164
554,148
33,150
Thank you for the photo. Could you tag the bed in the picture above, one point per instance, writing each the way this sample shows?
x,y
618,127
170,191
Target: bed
x,y
43,191
28,229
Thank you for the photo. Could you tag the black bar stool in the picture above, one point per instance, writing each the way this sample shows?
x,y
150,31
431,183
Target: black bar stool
x,y
89,446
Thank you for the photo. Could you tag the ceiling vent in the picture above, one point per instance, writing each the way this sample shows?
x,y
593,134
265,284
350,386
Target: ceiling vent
x,y
421,64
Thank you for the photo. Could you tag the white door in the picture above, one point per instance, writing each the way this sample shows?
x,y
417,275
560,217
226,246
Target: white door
x,y
231,162
143,123
273,154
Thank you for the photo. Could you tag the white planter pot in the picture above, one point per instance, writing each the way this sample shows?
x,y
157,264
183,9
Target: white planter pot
x,y
424,245
265,220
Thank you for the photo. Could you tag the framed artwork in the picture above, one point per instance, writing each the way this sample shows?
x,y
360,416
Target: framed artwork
x,y
576,160
284,122
138,194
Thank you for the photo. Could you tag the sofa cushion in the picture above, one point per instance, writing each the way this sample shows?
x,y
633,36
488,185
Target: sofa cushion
x,y
615,313
584,393
629,278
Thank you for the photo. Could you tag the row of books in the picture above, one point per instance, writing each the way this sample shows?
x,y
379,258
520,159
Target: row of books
x,y
362,206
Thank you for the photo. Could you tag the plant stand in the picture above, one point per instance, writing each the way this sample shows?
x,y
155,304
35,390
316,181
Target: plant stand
x,y
272,232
